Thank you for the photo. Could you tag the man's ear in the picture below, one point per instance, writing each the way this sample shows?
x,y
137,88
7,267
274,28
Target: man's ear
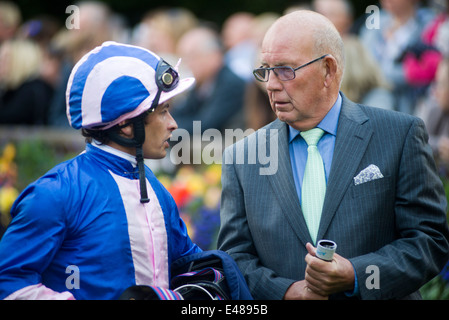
x,y
126,130
331,70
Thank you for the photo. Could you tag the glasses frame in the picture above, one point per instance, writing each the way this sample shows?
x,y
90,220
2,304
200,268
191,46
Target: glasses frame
x,y
284,67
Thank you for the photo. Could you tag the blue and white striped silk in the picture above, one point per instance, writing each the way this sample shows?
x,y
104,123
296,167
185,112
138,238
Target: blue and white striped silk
x,y
314,182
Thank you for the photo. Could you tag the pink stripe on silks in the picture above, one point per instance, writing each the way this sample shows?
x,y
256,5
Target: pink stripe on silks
x,y
166,294
175,296
160,293
39,292
147,233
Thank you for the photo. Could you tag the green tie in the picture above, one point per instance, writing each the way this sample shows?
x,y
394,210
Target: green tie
x,y
314,183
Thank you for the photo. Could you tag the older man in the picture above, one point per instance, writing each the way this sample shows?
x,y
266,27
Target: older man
x,y
367,182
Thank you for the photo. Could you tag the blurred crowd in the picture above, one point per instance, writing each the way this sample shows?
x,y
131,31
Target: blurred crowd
x,y
400,62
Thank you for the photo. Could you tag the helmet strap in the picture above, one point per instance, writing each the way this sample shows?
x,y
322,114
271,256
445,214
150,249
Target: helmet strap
x,y
143,183
136,142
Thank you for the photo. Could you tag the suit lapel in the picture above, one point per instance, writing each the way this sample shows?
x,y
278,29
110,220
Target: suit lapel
x,y
283,185
350,145
352,140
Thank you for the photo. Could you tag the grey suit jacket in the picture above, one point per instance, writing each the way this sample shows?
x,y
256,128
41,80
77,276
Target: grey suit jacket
x,y
393,228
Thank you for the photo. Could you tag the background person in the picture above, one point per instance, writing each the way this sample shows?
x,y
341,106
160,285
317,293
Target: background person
x,y
363,82
436,117
217,98
24,93
401,24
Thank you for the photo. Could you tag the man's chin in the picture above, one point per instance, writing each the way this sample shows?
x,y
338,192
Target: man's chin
x,y
157,156
283,117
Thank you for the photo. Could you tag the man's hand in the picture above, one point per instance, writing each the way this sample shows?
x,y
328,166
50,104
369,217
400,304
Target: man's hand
x,y
299,291
327,277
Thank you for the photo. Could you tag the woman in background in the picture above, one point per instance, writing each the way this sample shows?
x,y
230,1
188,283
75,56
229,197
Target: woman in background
x,y
24,95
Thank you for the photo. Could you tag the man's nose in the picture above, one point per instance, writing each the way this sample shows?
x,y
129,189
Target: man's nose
x,y
172,125
273,82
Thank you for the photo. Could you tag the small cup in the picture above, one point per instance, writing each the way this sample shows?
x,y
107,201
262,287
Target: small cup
x,y
325,249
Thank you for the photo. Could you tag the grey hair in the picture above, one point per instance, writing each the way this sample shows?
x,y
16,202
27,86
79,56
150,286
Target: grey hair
x,y
329,41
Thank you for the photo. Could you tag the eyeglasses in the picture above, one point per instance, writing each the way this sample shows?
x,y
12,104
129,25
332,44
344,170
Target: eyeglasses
x,y
284,73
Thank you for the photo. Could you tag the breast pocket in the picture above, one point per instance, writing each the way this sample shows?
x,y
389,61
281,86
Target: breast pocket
x,y
374,187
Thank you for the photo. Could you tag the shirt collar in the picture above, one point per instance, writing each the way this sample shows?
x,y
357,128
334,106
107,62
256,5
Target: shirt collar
x,y
118,153
328,124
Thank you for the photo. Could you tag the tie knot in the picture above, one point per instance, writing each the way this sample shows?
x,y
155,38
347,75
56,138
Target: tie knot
x,y
312,136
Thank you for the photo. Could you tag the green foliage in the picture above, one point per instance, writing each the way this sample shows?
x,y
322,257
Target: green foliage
x,y
34,158
436,289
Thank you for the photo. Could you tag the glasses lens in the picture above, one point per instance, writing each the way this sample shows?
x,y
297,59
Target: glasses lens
x,y
284,73
261,74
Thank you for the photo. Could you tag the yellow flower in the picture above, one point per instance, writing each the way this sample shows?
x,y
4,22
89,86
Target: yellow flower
x,y
212,175
7,197
9,152
165,180
6,160
196,185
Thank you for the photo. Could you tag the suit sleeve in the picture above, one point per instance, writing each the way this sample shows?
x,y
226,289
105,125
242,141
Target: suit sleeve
x,y
421,247
235,238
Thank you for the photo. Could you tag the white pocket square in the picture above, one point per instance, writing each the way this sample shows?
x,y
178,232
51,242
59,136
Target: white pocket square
x,y
370,173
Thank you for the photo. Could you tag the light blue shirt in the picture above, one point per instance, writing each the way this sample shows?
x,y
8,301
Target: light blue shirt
x,y
298,154
298,146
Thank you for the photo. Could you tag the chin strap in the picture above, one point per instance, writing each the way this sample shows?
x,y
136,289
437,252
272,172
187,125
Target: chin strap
x,y
143,182
136,142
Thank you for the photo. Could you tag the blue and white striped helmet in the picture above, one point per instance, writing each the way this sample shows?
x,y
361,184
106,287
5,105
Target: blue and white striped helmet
x,y
115,82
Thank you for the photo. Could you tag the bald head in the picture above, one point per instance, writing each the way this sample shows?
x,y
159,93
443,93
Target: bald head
x,y
308,43
310,32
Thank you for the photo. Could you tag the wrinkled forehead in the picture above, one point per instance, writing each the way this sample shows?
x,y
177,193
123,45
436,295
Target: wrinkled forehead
x,y
283,47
